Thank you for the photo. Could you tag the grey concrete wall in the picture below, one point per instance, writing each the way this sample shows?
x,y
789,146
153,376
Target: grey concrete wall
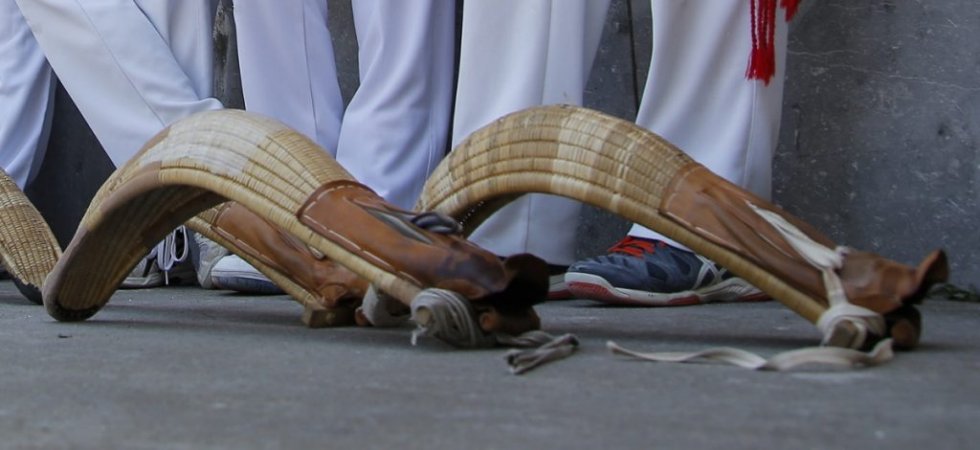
x,y
878,147
881,121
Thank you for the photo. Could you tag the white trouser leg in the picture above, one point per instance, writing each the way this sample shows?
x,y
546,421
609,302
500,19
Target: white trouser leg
x,y
131,66
396,127
287,66
698,97
26,97
517,54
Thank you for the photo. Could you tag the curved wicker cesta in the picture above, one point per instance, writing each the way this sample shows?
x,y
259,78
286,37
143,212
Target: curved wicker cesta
x,y
28,249
616,165
287,180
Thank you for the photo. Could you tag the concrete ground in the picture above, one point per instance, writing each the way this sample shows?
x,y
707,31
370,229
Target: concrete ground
x,y
182,367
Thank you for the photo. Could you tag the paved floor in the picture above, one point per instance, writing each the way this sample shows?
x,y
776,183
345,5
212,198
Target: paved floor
x,y
188,368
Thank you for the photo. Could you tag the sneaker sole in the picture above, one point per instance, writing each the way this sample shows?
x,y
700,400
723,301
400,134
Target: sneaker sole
x,y
149,281
558,289
244,284
181,275
594,287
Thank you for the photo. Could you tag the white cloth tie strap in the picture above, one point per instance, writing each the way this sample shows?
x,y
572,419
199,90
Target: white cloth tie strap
x,y
832,356
377,307
823,258
849,325
834,322
449,317
539,348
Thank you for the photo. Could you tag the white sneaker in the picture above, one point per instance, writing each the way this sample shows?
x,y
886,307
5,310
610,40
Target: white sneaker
x,y
167,263
233,273
209,253
146,274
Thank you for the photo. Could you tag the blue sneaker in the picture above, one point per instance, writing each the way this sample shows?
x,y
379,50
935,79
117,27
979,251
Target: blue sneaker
x,y
646,272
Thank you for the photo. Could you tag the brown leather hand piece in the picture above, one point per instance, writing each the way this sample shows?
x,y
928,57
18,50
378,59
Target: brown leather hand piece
x,y
334,288
728,216
428,249
422,247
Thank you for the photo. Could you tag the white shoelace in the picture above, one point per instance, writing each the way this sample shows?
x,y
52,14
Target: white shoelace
x,y
170,251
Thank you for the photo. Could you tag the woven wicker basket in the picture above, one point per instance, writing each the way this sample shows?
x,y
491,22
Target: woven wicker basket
x,y
28,249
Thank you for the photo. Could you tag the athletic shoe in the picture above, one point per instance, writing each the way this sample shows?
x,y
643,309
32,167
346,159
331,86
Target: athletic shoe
x,y
646,272
208,254
146,274
167,263
557,288
235,274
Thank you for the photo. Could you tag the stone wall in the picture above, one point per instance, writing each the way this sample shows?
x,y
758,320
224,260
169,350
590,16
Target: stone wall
x,y
880,145
881,122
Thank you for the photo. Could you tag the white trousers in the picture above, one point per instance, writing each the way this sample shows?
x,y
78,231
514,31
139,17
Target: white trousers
x,y
697,96
131,66
516,54
26,96
395,129
521,53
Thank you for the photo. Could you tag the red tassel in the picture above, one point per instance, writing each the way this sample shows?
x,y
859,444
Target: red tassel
x,y
791,7
762,60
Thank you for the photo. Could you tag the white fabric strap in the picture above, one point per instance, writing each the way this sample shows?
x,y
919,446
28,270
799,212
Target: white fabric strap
x,y
834,322
832,356
377,307
823,258
448,317
539,348
849,325
451,318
